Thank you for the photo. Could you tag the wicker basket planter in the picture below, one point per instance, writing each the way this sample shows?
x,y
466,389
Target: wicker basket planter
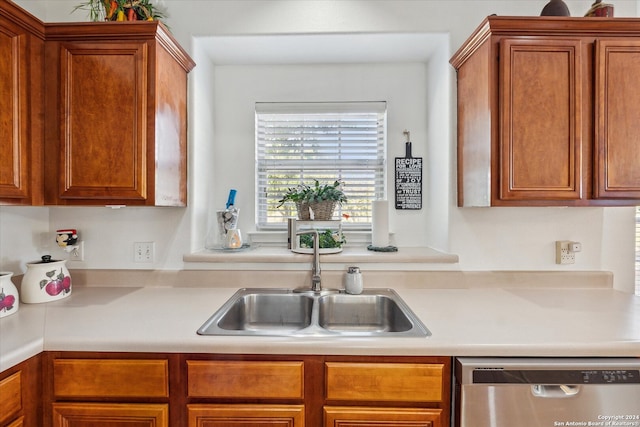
x,y
321,199
322,211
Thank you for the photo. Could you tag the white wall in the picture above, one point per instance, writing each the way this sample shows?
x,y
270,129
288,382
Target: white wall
x,y
202,108
237,88
24,232
485,239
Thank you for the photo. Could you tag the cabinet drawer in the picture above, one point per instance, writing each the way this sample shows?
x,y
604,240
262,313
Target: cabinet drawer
x,y
246,379
257,415
11,397
110,378
392,382
110,415
335,416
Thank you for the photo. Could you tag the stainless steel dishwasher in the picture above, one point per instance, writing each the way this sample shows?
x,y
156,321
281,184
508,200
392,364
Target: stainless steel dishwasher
x,y
547,392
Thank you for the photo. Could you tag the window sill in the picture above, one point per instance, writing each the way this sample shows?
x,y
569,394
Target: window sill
x,y
350,255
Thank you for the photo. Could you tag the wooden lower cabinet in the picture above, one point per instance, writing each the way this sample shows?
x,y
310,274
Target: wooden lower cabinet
x,y
20,391
110,415
314,391
387,417
17,423
256,415
83,389
11,397
277,387
107,390
388,392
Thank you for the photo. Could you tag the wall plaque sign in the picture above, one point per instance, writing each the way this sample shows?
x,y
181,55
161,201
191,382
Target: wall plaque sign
x,y
408,179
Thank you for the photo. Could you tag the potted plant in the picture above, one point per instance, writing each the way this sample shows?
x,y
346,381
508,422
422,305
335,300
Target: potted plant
x,y
120,10
328,239
321,199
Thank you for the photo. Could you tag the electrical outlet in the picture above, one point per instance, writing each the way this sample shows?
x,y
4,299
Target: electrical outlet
x,y
77,253
143,251
564,253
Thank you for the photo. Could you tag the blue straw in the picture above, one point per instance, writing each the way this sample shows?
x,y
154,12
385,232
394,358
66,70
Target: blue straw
x,y
232,198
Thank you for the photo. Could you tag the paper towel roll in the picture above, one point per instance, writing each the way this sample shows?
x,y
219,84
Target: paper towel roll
x,y
380,223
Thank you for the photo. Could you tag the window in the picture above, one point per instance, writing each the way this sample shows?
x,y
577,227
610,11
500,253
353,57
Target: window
x,y
637,250
299,142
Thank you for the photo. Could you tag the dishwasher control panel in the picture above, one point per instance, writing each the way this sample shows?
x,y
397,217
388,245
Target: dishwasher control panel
x,y
611,377
541,376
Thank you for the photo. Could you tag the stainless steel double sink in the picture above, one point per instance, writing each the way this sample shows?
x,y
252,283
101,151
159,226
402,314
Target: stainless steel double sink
x,y
284,312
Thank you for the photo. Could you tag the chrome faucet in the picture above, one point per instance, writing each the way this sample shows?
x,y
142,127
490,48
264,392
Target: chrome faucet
x,y
316,280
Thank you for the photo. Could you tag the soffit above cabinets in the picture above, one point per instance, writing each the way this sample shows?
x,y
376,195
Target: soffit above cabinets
x,y
322,48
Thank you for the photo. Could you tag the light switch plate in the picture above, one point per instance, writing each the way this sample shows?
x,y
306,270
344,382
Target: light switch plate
x,y
143,251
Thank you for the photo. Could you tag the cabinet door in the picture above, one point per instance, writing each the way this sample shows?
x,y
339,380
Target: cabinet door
x,y
17,423
13,98
387,417
110,415
617,115
20,175
21,394
246,415
11,397
103,123
540,145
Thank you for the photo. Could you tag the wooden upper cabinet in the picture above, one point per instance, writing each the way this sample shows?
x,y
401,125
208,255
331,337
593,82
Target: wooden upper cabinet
x,y
21,129
540,110
617,130
547,114
91,113
117,115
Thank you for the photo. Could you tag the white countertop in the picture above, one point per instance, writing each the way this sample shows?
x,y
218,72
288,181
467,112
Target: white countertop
x,y
21,334
463,322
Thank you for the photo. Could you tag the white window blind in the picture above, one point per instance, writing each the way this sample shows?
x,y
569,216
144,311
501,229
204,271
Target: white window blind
x,y
637,250
299,142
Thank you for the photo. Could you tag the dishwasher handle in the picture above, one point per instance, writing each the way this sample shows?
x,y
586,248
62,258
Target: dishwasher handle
x,y
554,391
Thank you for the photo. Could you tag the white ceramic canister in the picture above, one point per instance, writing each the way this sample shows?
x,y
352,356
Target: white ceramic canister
x,y
9,301
353,281
46,280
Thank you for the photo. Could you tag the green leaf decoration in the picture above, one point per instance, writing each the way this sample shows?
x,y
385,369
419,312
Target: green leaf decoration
x,y
316,193
327,239
43,283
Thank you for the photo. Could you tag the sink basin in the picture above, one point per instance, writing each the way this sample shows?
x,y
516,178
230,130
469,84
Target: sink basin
x,y
362,313
283,312
262,311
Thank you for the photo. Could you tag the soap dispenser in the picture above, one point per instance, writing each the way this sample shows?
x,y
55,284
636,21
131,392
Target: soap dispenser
x,y
353,281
